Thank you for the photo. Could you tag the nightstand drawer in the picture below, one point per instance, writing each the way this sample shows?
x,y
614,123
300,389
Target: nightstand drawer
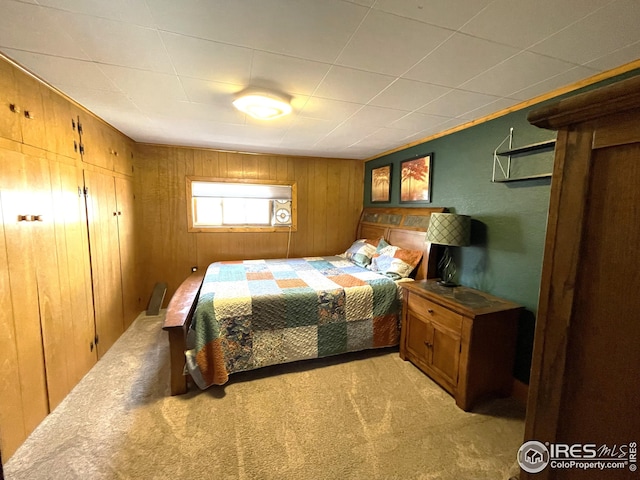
x,y
433,311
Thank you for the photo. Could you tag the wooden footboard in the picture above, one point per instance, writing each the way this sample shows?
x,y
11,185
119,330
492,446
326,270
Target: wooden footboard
x,y
176,323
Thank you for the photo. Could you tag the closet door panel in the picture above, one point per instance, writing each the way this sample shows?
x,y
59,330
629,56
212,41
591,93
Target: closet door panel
x,y
126,235
32,116
123,154
105,258
12,431
17,202
9,119
54,319
75,274
95,142
62,118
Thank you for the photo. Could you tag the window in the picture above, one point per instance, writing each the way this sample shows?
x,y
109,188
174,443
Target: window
x,y
224,205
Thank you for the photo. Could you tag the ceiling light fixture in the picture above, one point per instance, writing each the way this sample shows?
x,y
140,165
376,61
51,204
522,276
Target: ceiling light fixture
x,y
262,104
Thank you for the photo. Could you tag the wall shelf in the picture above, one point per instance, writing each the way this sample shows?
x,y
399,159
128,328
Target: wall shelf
x,y
517,179
547,145
530,149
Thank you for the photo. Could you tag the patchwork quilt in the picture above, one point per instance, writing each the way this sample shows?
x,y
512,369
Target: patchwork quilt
x,y
255,313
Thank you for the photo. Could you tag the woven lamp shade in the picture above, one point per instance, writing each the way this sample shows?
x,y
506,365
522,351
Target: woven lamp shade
x,y
449,229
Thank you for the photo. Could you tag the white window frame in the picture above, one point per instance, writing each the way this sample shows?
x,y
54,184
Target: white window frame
x,y
191,227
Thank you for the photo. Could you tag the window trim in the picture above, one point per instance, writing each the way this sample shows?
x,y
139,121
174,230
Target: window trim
x,y
242,229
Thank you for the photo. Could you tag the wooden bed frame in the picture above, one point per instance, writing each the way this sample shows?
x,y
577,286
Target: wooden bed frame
x,y
403,227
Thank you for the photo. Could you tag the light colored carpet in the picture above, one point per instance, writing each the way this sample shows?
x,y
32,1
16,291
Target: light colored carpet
x,y
371,417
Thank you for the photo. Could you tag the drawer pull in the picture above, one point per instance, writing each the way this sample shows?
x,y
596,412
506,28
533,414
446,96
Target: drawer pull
x,y
430,310
429,345
14,108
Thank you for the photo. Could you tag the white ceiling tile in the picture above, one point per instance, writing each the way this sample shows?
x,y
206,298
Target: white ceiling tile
x,y
287,74
359,151
331,110
311,126
366,3
449,124
473,56
562,80
189,133
135,123
145,87
43,35
254,135
372,116
292,27
491,108
59,71
343,83
276,124
302,139
337,141
130,11
196,112
384,138
521,23
415,121
614,59
444,13
583,41
389,44
203,91
128,45
516,73
98,100
418,136
408,95
457,102
207,60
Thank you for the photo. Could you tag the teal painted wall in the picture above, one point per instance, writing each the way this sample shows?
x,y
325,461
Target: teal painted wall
x,y
508,219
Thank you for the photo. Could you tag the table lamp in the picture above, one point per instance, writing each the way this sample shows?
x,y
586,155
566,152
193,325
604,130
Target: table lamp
x,y
448,229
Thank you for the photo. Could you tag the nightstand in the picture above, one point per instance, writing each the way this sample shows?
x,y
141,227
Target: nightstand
x,y
462,338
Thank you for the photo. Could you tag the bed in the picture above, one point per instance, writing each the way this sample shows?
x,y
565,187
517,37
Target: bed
x,y
282,310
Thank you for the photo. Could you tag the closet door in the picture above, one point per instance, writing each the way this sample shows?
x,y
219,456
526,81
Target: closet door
x,y
12,428
22,189
72,244
22,115
126,237
31,115
55,322
102,217
62,125
9,118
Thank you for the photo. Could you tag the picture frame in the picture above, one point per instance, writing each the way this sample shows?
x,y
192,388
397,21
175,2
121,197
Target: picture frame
x,y
415,179
381,184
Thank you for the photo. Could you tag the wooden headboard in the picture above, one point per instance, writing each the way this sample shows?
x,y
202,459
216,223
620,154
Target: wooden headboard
x,y
405,228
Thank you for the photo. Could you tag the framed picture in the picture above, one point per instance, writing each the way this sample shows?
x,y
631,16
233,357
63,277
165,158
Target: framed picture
x,y
415,181
381,184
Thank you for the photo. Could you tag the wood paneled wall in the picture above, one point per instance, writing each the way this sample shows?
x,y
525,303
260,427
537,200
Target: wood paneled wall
x,y
329,204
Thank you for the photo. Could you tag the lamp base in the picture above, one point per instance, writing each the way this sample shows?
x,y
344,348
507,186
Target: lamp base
x,y
447,283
